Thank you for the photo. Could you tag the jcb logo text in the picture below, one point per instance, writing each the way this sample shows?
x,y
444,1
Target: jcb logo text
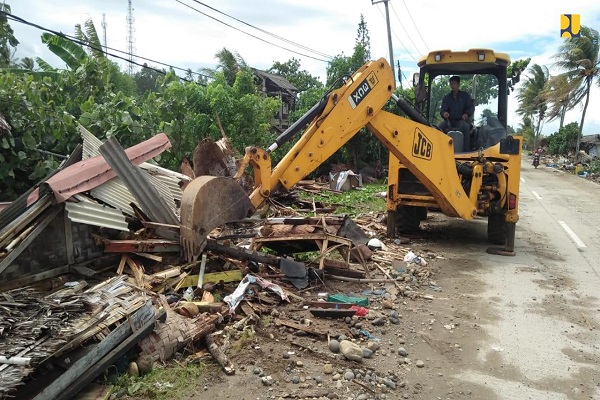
x,y
422,147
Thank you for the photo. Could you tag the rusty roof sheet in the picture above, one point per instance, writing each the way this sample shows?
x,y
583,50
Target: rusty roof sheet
x,y
90,173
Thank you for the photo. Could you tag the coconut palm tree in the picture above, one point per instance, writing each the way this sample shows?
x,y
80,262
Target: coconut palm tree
x,y
229,63
579,59
527,130
532,99
27,63
558,95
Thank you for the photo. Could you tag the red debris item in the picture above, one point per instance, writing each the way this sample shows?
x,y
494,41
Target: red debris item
x,y
360,311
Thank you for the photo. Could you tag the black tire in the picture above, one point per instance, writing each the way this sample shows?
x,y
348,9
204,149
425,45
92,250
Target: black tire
x,y
497,229
407,219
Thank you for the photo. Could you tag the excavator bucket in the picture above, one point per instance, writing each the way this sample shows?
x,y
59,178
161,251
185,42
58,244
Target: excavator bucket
x,y
208,202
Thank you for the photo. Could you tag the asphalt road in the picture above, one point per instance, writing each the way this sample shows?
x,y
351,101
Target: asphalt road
x,y
541,308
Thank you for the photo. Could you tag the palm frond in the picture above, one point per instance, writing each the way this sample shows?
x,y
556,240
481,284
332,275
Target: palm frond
x,y
71,53
44,66
93,39
35,74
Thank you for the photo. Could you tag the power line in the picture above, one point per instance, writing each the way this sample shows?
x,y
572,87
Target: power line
x,y
400,40
249,34
266,32
405,31
416,27
75,40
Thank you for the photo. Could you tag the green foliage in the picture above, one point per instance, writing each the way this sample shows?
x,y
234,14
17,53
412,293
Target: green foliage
x,y
527,130
172,381
37,113
514,71
187,113
8,41
595,166
354,202
579,59
301,79
565,140
146,79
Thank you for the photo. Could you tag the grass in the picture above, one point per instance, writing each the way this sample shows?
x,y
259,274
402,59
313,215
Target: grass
x,y
172,381
354,202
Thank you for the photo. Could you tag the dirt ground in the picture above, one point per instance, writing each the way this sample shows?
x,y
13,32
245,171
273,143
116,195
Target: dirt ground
x,y
417,356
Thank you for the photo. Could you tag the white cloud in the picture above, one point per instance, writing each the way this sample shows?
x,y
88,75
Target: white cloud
x,y
167,31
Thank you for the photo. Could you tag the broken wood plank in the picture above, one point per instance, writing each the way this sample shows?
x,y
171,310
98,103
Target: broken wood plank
x,y
214,277
332,312
150,256
138,271
294,325
122,264
142,245
211,308
166,274
349,273
219,355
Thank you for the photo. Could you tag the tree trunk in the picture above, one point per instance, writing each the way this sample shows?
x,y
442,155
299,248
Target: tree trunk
x,y
563,111
587,100
537,132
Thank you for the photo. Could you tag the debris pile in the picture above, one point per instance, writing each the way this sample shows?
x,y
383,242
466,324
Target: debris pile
x,y
161,285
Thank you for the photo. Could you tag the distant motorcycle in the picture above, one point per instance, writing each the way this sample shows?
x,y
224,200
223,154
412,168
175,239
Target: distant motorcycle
x,y
536,160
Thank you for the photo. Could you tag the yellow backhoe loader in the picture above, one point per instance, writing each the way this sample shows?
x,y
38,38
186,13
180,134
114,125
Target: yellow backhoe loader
x,y
427,170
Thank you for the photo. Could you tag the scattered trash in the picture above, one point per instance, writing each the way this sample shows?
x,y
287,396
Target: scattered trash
x,y
234,299
345,180
411,257
342,298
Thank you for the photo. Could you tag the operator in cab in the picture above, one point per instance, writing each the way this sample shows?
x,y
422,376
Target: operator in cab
x,y
457,110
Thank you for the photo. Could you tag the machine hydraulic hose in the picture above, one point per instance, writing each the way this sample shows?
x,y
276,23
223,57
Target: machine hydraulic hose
x,y
317,109
410,110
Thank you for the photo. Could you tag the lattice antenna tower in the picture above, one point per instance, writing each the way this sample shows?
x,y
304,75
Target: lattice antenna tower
x,y
104,31
130,37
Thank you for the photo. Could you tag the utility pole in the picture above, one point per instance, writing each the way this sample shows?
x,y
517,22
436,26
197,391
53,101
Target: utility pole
x,y
130,38
104,32
389,31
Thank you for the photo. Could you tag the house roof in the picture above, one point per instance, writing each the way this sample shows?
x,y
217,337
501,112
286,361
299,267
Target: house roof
x,y
276,80
591,139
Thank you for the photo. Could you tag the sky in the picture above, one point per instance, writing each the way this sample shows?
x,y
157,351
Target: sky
x,y
188,33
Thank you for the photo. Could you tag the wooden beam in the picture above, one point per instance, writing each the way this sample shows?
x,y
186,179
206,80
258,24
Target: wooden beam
x,y
215,277
294,325
140,246
69,239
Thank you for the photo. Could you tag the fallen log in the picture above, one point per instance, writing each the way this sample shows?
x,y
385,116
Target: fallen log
x,y
219,356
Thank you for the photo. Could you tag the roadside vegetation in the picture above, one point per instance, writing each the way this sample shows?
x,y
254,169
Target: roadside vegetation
x,y
363,200
175,380
41,104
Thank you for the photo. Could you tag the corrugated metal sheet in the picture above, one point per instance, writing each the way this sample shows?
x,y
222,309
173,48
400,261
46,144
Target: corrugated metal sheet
x,y
168,180
91,213
164,191
115,193
137,183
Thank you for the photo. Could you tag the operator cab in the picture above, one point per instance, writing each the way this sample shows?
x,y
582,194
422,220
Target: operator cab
x,y
481,71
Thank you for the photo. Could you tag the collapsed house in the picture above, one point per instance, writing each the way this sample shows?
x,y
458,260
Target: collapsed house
x,y
92,267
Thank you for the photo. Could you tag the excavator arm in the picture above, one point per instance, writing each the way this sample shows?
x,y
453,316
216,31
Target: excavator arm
x,y
427,152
